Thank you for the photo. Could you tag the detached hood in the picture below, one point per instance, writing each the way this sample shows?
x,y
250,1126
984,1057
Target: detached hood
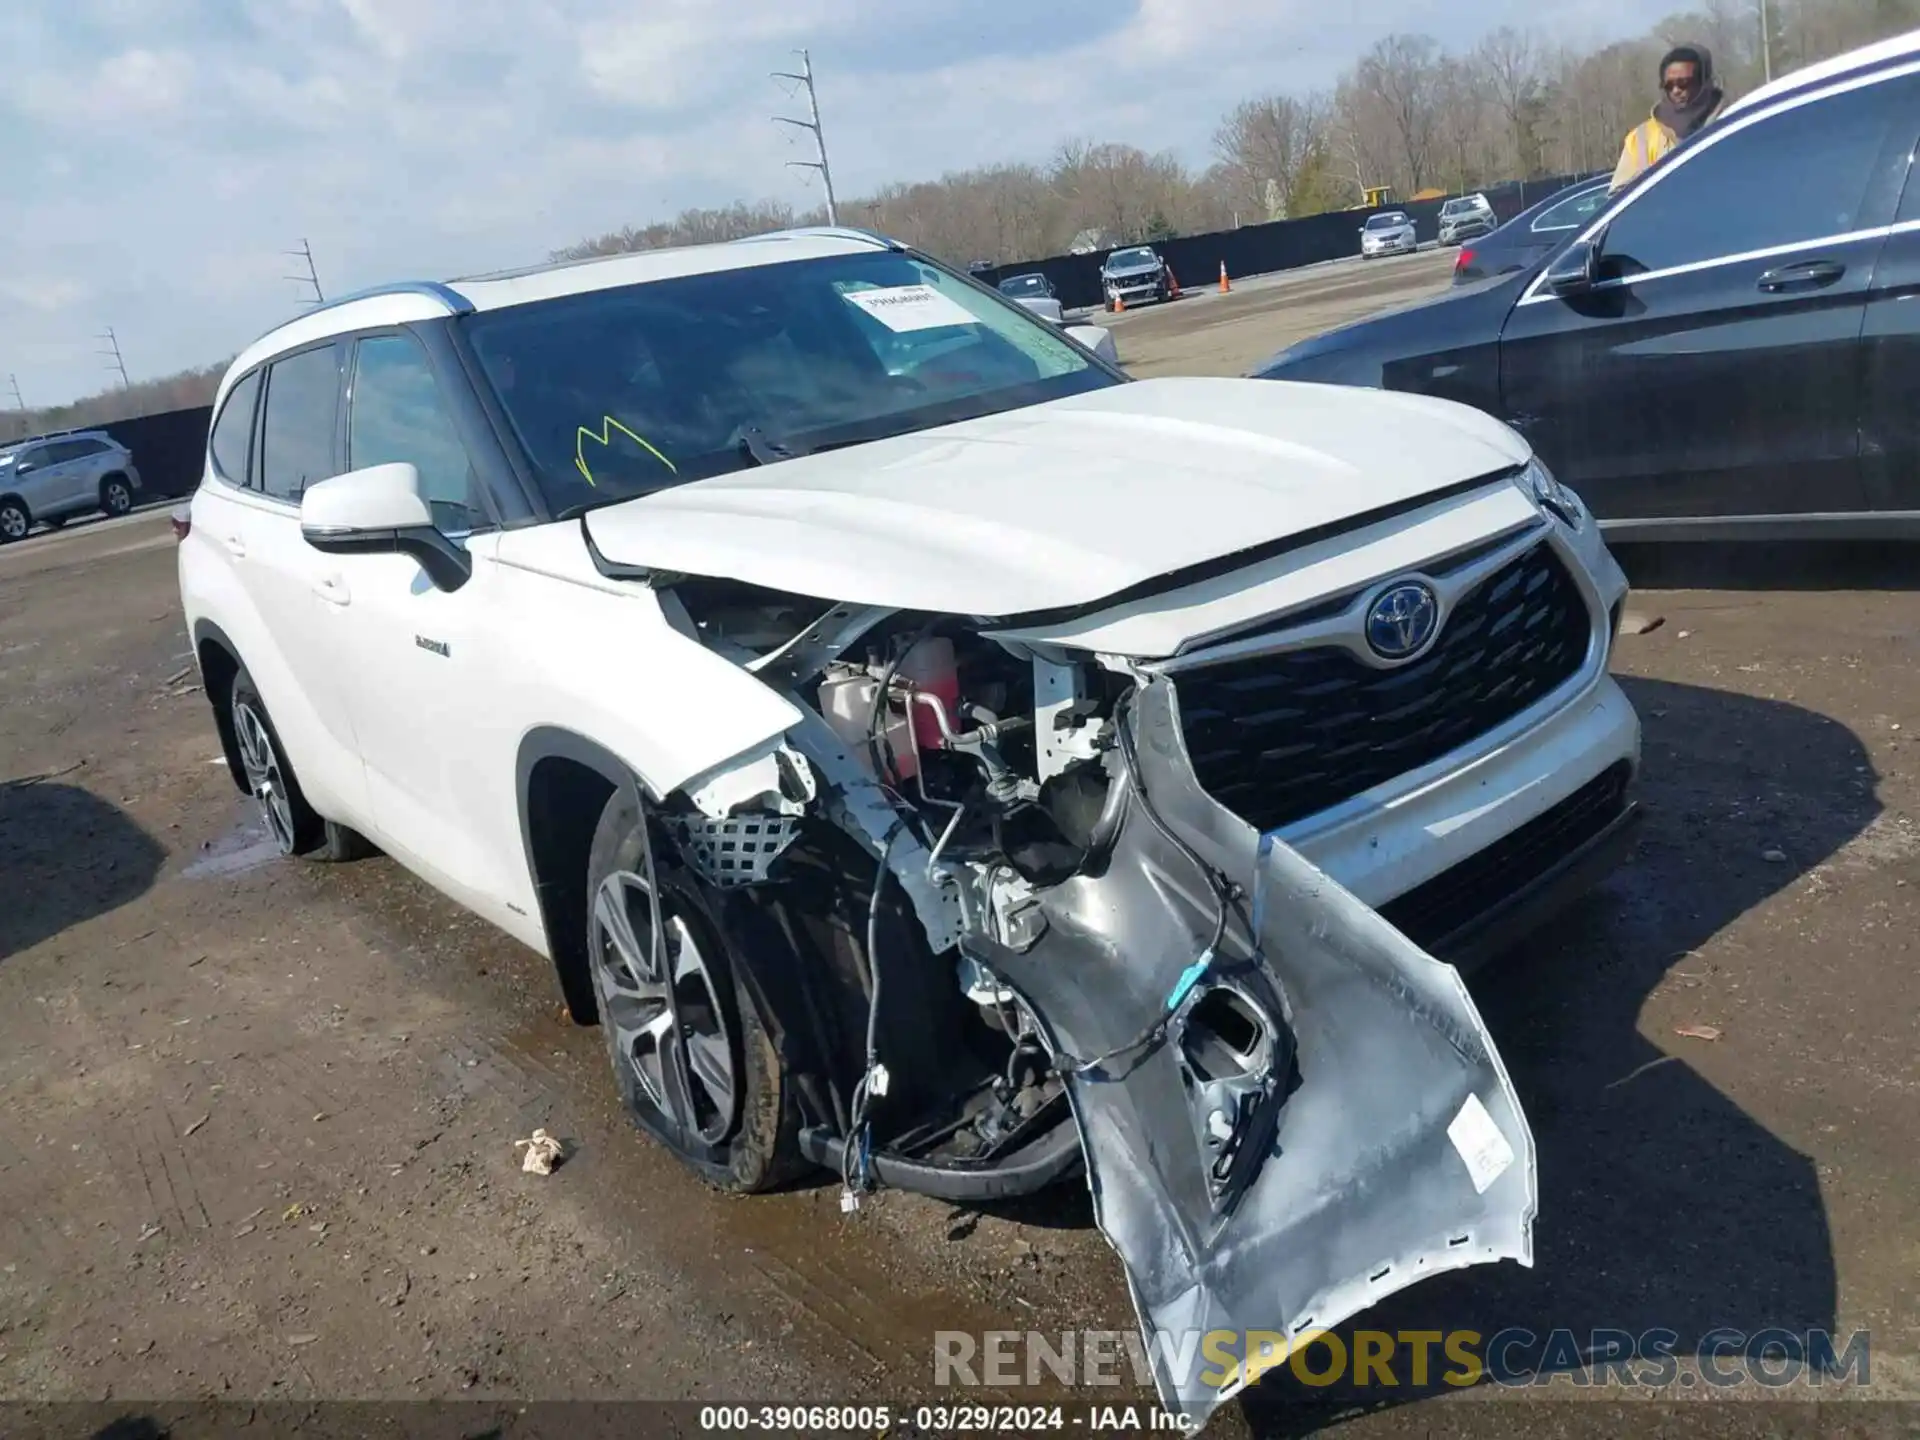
x,y
1064,504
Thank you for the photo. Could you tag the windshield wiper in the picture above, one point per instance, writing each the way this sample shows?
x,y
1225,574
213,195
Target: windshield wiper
x,y
759,447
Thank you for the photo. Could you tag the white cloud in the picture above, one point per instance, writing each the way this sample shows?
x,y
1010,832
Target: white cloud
x,y
164,160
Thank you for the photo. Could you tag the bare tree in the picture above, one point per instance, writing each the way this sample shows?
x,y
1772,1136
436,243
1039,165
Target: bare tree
x,y
1397,83
1509,63
1264,145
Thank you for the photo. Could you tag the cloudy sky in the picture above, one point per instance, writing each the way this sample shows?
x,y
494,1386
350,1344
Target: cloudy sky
x,y
156,156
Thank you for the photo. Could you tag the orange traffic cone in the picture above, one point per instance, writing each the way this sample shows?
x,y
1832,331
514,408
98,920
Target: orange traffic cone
x,y
1119,303
1224,286
1173,284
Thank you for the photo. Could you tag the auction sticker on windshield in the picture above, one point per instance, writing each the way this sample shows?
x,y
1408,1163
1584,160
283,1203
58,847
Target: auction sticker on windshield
x,y
905,308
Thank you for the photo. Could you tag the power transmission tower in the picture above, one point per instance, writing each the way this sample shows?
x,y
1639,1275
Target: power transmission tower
x,y
312,277
18,403
112,352
805,77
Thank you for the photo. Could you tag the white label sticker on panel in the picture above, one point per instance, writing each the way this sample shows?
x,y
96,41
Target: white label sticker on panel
x,y
1480,1143
903,308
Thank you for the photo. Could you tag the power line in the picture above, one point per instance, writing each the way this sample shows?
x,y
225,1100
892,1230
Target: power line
x,y
812,123
112,352
312,277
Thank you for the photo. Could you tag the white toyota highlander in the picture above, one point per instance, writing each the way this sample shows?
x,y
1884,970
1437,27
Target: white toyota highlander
x,y
927,753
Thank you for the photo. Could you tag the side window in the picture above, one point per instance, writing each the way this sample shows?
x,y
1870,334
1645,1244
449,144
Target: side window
x,y
395,413
296,442
233,431
1798,175
85,448
1569,213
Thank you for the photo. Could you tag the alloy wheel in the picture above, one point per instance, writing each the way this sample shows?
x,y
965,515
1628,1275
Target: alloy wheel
x,y
664,1010
119,498
13,522
264,778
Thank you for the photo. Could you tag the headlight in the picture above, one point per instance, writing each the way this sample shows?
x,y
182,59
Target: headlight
x,y
1550,494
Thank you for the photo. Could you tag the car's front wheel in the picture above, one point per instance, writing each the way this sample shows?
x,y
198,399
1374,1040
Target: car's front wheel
x,y
692,1056
15,522
294,825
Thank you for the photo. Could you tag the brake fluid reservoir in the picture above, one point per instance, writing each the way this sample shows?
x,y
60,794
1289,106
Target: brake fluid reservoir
x,y
930,667
847,705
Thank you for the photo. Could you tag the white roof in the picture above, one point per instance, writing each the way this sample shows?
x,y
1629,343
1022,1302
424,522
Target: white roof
x,y
1896,48
399,304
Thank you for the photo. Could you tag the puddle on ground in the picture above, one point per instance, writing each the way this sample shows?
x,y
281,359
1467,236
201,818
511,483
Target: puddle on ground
x,y
248,846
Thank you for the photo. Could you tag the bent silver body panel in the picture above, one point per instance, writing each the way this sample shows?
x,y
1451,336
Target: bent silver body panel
x,y
1363,1160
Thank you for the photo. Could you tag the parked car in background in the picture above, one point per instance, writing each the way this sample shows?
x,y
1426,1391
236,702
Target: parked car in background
x,y
1530,235
1134,275
1464,217
1035,292
1729,347
1388,233
52,478
664,612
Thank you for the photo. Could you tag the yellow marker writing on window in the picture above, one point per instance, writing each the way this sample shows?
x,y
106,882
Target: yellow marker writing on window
x,y
604,437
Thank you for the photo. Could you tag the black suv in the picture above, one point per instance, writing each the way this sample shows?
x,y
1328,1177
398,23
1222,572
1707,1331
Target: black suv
x,y
1729,347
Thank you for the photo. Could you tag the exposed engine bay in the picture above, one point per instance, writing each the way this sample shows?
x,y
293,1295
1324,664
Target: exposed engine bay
x,y
1041,945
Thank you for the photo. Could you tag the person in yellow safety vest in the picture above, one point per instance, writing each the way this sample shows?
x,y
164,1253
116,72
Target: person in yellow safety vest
x,y
1688,100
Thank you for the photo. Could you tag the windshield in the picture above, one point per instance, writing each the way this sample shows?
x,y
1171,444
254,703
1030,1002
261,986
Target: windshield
x,y
617,393
1385,222
1126,259
1024,285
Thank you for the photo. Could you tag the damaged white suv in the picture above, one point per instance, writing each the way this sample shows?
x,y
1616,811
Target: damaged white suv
x,y
929,754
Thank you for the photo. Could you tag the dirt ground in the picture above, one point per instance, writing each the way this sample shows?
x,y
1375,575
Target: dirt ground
x,y
256,1117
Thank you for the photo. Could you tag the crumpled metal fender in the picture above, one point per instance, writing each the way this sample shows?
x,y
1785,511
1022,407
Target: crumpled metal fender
x,y
1380,1140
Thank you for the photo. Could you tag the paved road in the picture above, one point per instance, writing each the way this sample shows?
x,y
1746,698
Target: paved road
x,y
256,1117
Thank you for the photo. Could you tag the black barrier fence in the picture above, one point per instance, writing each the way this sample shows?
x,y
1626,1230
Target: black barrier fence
x,y
1262,249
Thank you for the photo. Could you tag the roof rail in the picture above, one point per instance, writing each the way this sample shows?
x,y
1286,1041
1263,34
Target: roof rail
x,y
53,435
455,302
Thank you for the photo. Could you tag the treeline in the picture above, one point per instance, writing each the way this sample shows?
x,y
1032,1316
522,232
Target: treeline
x,y
179,391
1408,114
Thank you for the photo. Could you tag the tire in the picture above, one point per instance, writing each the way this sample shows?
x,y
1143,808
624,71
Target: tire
x,y
740,1136
294,825
15,520
116,495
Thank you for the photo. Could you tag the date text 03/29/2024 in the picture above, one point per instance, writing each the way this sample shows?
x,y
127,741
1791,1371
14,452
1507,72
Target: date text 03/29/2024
x,y
937,1419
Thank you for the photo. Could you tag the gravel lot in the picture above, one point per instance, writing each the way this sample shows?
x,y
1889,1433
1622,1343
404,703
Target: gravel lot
x,y
256,1117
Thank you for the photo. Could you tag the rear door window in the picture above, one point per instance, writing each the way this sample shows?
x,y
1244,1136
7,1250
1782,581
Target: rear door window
x,y
297,438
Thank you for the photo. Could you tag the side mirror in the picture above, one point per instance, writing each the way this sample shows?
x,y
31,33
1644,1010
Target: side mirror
x,y
1575,269
1098,339
380,511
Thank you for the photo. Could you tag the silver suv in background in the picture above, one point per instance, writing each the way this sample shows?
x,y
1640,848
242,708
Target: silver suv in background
x,y
51,478
1464,217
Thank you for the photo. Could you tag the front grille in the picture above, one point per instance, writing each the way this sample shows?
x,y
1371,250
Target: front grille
x,y
1276,738
1428,913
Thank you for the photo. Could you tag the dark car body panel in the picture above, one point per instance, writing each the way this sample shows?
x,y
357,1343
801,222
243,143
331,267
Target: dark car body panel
x,y
1744,354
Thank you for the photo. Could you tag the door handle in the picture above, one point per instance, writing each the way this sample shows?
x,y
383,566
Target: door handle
x,y
236,546
333,590
1802,275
